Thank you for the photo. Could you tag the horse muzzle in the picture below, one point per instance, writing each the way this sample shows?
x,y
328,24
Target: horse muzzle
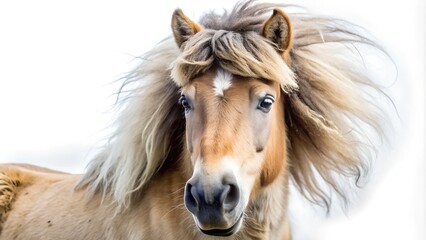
x,y
215,206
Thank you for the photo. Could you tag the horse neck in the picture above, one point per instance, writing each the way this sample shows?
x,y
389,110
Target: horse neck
x,y
267,213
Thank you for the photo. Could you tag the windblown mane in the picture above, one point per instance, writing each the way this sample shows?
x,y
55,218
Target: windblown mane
x,y
329,100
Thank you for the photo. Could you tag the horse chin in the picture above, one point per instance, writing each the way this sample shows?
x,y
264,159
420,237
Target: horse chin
x,y
225,232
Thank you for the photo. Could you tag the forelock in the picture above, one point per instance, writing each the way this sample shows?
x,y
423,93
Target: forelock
x,y
246,54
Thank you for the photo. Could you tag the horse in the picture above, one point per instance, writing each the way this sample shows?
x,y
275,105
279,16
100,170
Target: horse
x,y
213,126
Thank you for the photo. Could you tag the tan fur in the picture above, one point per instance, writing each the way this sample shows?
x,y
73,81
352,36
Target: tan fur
x,y
12,179
71,216
134,188
8,188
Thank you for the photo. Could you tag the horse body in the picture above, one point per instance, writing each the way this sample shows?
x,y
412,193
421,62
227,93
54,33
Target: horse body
x,y
205,147
48,207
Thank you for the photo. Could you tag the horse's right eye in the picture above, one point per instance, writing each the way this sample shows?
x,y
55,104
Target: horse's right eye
x,y
185,103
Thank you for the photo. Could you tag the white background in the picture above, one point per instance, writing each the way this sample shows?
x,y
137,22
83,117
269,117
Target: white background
x,y
58,59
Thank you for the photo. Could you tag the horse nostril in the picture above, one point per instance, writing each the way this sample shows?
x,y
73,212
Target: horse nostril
x,y
230,196
192,199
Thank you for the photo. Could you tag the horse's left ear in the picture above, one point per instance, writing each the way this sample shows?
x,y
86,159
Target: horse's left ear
x,y
279,31
183,27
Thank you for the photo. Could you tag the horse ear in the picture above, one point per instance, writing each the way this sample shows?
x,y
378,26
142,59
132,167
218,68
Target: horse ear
x,y
183,27
279,31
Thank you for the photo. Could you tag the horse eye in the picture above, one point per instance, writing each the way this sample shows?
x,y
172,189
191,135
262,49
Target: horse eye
x,y
184,102
265,103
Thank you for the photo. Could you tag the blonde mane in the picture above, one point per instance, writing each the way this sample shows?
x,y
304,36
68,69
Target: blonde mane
x,y
328,103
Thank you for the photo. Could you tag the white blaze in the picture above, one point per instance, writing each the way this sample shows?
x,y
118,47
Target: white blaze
x,y
222,82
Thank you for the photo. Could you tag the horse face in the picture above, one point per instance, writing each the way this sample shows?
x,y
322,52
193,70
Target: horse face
x,y
229,125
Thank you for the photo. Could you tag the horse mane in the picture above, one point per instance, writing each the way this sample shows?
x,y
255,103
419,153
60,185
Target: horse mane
x,y
329,100
146,132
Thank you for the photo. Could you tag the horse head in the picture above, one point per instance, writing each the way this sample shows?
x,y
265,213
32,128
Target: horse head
x,y
235,127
